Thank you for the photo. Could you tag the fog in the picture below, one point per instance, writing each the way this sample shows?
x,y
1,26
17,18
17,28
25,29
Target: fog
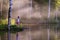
x,y
27,9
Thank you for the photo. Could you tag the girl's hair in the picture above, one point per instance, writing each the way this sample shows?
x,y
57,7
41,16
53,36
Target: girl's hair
x,y
18,16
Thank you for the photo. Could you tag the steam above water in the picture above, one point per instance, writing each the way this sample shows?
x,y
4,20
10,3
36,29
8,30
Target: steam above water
x,y
23,8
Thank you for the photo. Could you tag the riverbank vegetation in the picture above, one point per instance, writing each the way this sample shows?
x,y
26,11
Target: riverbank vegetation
x,y
4,24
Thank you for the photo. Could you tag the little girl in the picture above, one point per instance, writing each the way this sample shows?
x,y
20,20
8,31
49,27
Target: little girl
x,y
18,21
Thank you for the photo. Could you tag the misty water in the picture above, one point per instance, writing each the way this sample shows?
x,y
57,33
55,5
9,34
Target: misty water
x,y
37,32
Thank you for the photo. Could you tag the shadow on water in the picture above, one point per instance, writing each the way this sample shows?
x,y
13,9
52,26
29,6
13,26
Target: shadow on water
x,y
38,32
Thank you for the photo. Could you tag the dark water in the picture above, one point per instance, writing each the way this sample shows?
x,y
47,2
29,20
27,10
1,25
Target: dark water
x,y
40,32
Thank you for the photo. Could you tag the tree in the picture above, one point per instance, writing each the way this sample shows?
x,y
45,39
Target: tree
x,y
4,8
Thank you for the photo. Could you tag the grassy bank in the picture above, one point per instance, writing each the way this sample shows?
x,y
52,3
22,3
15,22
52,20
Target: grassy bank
x,y
4,22
13,28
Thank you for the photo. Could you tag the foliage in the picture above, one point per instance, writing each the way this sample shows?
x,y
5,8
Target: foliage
x,y
44,1
5,21
13,22
41,1
57,3
13,28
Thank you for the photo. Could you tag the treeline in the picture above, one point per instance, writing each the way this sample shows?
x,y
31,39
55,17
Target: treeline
x,y
4,8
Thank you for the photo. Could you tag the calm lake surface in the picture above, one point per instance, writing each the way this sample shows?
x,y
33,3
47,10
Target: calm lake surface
x,y
39,32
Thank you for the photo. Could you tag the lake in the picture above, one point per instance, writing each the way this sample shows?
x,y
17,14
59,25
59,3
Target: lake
x,y
37,32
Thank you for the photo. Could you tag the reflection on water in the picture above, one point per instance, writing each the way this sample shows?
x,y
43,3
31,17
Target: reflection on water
x,y
34,33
